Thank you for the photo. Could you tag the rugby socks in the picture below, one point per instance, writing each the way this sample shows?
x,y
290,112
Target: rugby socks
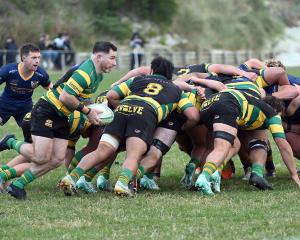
x,y
15,144
76,173
4,167
27,177
208,169
8,174
126,176
140,172
90,174
76,159
258,169
105,172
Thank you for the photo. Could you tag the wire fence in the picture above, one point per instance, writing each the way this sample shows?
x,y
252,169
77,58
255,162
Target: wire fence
x,y
62,60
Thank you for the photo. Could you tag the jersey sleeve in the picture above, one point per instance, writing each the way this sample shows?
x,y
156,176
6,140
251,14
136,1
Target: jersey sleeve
x,y
123,89
79,81
184,102
275,127
45,81
3,74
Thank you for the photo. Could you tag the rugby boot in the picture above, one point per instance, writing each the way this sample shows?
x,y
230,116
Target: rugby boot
x,y
187,180
216,182
123,190
247,174
149,184
203,185
103,184
85,186
3,142
68,185
259,182
18,193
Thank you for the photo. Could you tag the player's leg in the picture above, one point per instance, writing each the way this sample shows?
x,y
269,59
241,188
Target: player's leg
x,y
224,136
135,148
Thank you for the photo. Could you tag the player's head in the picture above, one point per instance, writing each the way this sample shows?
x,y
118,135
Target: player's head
x,y
162,66
105,55
30,56
27,48
274,63
275,103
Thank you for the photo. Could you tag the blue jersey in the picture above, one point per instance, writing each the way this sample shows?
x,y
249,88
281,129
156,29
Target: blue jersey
x,y
16,99
19,90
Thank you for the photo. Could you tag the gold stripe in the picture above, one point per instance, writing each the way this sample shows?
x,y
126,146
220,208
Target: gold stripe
x,y
71,82
75,121
21,75
276,128
208,170
85,76
58,104
211,165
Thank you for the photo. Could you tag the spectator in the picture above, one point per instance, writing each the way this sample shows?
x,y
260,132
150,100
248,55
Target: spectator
x,y
137,45
12,50
58,45
48,55
69,56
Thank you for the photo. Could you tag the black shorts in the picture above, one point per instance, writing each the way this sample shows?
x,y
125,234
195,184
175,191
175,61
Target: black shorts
x,y
173,121
26,128
128,122
220,108
46,122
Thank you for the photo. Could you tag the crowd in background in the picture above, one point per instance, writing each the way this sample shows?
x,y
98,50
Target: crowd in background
x,y
56,52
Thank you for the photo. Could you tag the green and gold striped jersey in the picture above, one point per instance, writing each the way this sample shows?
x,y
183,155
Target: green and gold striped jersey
x,y
155,90
78,125
82,84
256,114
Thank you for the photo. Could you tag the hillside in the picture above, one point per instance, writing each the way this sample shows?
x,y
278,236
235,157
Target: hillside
x,y
196,24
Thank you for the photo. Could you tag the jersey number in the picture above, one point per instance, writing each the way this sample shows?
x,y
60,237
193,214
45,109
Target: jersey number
x,y
153,88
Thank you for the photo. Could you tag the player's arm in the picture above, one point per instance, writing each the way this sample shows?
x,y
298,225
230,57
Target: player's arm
x,y
288,158
275,127
276,75
189,110
118,92
74,86
255,63
286,92
231,70
133,73
293,106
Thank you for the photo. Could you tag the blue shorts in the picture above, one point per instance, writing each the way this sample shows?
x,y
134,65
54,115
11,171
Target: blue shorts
x,y
16,111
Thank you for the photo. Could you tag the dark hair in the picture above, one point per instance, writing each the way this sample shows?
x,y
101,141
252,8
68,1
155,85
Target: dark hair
x,y
275,103
102,46
28,47
162,66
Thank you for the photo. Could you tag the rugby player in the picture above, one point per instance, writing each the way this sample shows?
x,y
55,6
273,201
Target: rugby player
x,y
151,99
21,79
223,113
50,128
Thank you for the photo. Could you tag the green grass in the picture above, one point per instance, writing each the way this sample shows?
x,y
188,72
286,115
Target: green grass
x,y
239,212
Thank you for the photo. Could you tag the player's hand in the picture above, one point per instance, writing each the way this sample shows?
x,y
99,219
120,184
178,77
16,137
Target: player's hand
x,y
296,180
250,75
201,92
93,116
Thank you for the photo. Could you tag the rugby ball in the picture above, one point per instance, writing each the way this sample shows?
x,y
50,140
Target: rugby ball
x,y
107,114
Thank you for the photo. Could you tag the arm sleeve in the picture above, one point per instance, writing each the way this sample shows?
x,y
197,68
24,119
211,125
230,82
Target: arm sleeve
x,y
123,89
79,81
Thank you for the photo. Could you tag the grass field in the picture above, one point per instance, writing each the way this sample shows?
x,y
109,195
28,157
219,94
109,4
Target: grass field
x,y
238,212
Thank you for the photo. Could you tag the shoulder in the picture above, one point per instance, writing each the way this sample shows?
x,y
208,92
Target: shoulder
x,y
42,73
